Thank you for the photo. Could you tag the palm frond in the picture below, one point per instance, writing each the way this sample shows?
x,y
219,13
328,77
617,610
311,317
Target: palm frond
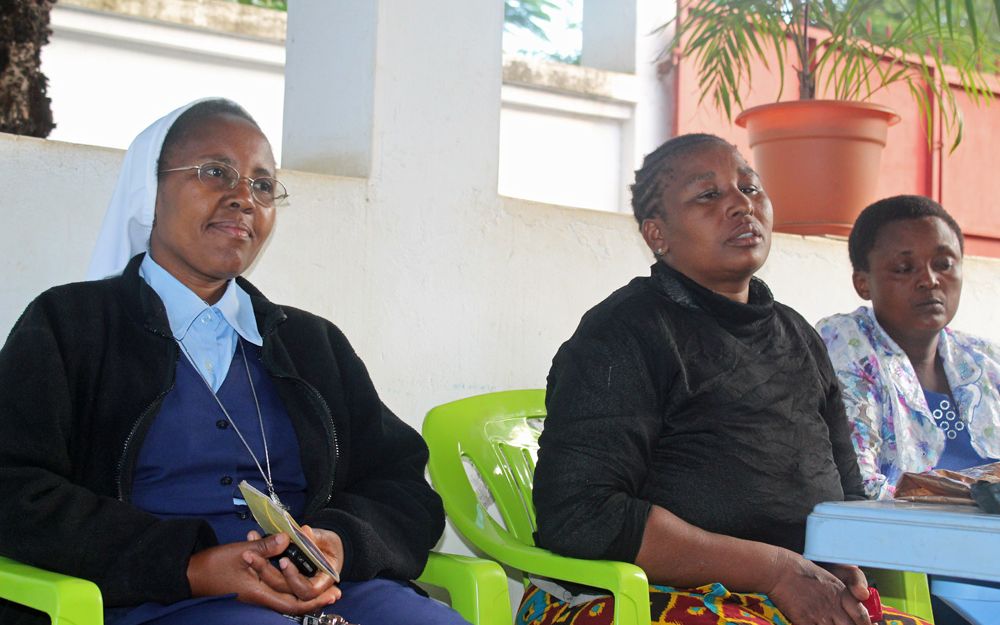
x,y
926,42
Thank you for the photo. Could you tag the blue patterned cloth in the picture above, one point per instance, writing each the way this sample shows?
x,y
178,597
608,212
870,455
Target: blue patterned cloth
x,y
958,453
892,427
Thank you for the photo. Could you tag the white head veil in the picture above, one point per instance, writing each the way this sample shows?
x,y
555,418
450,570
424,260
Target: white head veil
x,y
129,220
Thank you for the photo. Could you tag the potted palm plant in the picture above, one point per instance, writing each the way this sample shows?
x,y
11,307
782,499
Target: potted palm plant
x,y
819,158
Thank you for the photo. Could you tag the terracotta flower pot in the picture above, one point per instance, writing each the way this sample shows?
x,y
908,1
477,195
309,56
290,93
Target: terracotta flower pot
x,y
818,159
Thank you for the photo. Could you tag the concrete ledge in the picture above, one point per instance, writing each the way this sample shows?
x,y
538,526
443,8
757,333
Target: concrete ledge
x,y
572,79
227,17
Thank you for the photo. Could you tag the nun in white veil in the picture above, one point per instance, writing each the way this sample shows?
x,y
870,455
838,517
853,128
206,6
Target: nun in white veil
x,y
129,218
133,404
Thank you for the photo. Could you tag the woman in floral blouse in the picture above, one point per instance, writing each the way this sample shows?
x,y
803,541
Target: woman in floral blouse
x,y
919,395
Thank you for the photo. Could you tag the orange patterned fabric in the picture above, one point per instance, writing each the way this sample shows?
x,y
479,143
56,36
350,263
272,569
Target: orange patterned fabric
x,y
707,605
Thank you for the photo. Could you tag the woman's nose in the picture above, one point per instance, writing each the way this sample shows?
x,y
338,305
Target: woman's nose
x,y
928,278
241,196
739,204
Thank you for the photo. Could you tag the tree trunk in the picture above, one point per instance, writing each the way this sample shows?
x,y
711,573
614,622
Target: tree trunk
x,y
24,29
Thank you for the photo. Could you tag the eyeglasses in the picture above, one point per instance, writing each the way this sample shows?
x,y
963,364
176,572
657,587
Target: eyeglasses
x,y
221,177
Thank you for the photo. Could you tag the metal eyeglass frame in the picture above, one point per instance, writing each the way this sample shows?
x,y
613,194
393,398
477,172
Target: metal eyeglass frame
x,y
277,183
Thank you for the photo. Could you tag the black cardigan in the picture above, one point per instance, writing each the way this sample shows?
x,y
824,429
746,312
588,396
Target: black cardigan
x,y
728,415
82,376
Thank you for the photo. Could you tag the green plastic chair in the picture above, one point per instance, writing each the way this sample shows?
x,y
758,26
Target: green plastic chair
x,y
67,600
495,432
903,590
477,588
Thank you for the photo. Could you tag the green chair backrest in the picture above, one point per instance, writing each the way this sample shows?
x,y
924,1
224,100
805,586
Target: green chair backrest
x,y
496,433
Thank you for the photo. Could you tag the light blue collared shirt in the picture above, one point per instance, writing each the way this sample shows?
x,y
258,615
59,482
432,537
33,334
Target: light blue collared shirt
x,y
208,334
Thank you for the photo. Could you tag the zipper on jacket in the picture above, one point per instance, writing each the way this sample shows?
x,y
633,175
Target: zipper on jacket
x,y
317,397
144,414
128,441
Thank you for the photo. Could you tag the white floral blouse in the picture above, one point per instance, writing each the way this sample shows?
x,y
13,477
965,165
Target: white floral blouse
x,y
891,426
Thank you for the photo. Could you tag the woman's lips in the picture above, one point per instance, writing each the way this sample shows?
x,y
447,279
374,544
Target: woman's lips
x,y
745,235
931,304
235,230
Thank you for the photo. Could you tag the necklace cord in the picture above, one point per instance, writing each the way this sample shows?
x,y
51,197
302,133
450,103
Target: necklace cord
x,y
260,419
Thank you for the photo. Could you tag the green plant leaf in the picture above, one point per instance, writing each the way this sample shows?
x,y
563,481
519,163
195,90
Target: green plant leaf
x,y
970,11
911,41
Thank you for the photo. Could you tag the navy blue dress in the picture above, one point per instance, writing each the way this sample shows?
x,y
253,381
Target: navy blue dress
x,y
190,465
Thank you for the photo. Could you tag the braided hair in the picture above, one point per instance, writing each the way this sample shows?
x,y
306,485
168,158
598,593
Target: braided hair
x,y
656,169
897,208
191,119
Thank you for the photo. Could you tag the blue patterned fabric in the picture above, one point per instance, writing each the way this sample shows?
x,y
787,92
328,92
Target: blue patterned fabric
x,y
958,453
892,428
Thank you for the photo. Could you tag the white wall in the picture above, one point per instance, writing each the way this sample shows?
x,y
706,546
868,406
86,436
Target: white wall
x,y
565,132
564,135
110,75
485,307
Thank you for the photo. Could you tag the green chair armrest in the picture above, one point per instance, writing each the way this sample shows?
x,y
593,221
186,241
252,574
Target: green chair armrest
x,y
478,588
903,590
627,582
67,600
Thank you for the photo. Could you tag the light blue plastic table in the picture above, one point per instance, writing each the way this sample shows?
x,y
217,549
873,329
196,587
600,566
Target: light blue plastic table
x,y
958,541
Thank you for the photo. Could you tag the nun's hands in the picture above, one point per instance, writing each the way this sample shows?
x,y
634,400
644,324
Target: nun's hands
x,y
287,578
236,568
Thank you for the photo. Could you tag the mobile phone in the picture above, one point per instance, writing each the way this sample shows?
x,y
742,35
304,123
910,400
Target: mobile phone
x,y
873,604
296,557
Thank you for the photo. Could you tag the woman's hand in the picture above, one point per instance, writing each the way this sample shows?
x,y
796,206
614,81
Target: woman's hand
x,y
807,594
852,576
237,568
288,579
329,543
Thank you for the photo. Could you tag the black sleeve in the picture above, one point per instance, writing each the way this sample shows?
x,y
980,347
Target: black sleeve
x,y
600,430
385,511
47,518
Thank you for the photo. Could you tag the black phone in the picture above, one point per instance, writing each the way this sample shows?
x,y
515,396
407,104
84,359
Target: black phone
x,y
298,558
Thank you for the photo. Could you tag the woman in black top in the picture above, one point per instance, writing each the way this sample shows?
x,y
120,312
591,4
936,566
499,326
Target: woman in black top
x,y
694,422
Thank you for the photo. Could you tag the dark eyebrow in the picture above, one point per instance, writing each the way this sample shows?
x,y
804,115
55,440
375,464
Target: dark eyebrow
x,y
707,175
944,248
260,172
217,158
748,171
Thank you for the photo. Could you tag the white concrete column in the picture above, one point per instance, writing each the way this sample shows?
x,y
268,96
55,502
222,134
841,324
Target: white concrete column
x,y
375,87
610,35
330,86
407,95
618,35
438,79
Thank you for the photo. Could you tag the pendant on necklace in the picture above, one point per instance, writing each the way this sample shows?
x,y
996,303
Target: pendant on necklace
x,y
274,498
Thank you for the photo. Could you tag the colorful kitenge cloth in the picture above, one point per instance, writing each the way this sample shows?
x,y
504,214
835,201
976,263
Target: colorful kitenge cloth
x,y
706,605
